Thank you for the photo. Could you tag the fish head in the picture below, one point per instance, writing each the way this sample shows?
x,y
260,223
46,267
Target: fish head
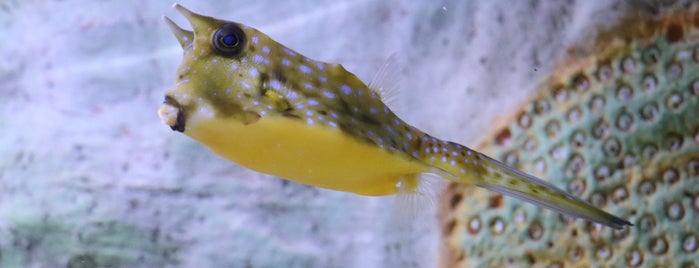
x,y
221,74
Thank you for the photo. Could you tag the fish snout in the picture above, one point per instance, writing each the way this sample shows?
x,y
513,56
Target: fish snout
x,y
172,114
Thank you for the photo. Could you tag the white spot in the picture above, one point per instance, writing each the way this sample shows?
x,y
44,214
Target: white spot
x,y
347,90
309,113
265,49
444,159
309,121
214,60
452,163
305,69
328,94
239,96
332,124
255,39
269,107
254,72
255,103
286,62
245,84
263,113
234,66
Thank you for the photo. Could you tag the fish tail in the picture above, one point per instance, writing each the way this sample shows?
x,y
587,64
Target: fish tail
x,y
458,163
509,181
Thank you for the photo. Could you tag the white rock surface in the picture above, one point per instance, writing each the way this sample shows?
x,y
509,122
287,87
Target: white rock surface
x,y
89,176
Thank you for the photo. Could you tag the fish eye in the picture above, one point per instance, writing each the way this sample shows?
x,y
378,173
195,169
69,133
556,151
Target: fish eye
x,y
229,40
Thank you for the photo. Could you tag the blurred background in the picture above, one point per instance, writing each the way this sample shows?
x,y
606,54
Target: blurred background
x,y
89,176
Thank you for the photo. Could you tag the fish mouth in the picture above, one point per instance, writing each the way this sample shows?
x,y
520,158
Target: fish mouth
x,y
172,114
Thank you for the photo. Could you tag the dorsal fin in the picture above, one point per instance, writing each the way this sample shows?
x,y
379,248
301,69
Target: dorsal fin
x,y
387,82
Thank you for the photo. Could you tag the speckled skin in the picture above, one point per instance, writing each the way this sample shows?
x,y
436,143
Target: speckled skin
x,y
619,128
269,108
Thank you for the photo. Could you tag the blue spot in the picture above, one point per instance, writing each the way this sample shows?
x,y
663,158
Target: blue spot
x,y
245,84
255,39
234,66
373,110
259,59
347,90
309,121
329,94
308,86
323,79
332,124
289,52
286,62
253,72
334,115
409,136
265,49
313,102
305,69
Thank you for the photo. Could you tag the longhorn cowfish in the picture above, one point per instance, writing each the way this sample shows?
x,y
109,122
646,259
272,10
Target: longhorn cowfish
x,y
266,107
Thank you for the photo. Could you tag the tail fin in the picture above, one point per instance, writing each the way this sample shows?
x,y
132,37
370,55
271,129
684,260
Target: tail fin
x,y
506,180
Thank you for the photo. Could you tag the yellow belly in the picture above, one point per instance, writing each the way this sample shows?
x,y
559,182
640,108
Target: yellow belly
x,y
314,155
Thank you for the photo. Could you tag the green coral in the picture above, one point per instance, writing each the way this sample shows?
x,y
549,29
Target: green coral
x,y
621,133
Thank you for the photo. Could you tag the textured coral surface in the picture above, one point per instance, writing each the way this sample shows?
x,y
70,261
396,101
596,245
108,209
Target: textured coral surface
x,y
617,125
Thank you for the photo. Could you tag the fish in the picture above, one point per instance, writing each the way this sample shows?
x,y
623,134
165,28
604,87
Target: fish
x,y
266,107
